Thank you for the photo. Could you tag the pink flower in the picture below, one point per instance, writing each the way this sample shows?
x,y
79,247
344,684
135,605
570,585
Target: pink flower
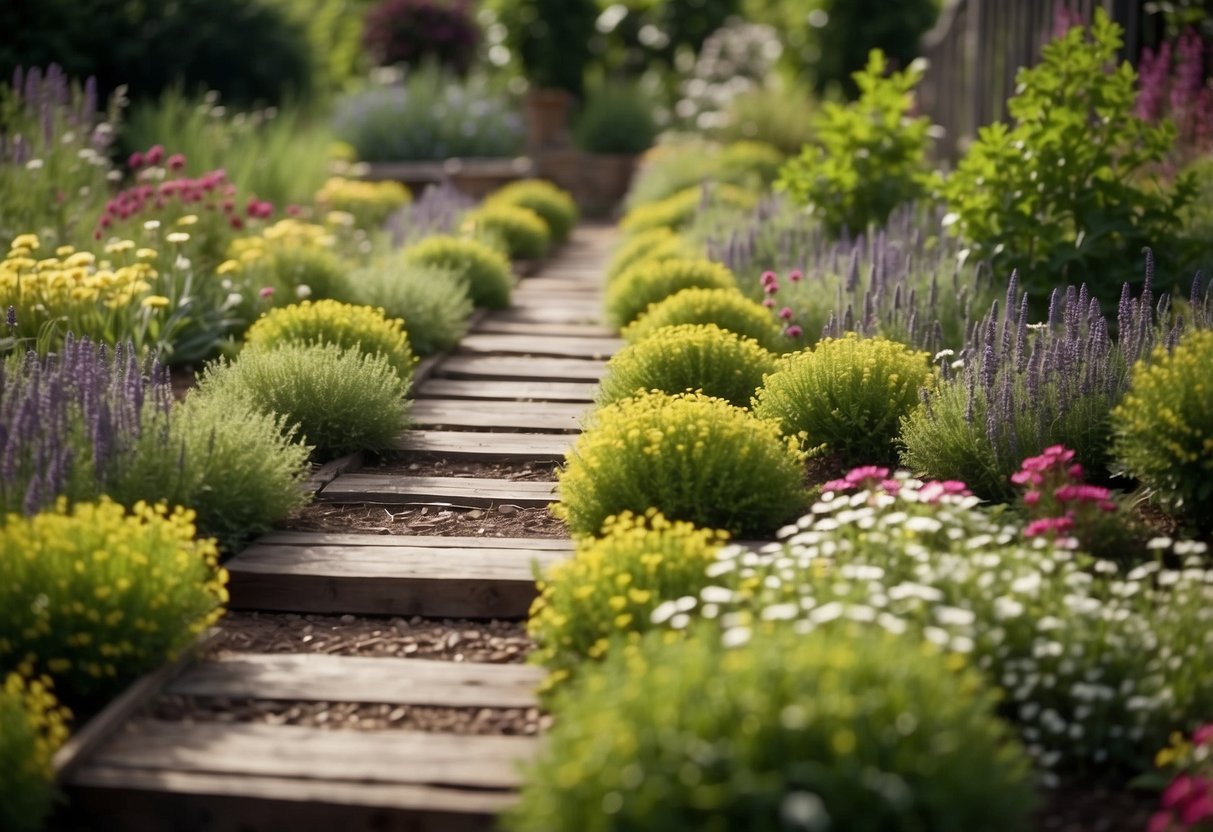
x,y
866,472
770,288
793,331
1159,822
155,154
135,161
1081,493
786,313
769,303
176,161
1199,806
769,278
1048,525
795,275
1031,498
932,491
293,210
1203,735
236,223
266,292
1026,477
837,485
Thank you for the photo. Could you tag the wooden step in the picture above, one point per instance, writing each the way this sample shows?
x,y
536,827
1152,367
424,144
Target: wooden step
x,y
412,541
521,369
535,391
493,324
463,492
563,313
493,578
487,447
568,280
316,677
548,345
544,417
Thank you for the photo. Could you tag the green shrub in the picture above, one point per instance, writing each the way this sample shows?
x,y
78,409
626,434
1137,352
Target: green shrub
x,y
680,209
1163,427
553,205
848,394
523,231
341,400
867,157
616,118
779,115
95,596
655,244
652,281
749,162
863,732
726,308
606,591
32,727
333,322
677,359
432,301
369,203
303,271
671,167
689,456
486,272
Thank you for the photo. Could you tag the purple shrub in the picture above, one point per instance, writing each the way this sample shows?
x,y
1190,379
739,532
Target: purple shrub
x,y
409,31
438,211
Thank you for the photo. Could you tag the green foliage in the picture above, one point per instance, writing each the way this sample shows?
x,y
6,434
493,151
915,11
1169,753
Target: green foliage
x,y
303,271
550,38
95,596
655,244
341,400
32,727
675,359
607,590
616,118
332,322
728,309
369,203
867,157
554,205
690,456
432,301
1163,427
679,210
671,167
750,162
848,394
857,731
1081,203
334,33
780,115
486,272
524,233
650,281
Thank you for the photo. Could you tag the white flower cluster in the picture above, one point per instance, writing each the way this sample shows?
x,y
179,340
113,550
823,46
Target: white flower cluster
x,y
1096,666
734,59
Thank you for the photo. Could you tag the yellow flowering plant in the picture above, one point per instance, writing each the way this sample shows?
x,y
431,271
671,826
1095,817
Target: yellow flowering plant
x,y
486,272
554,205
680,209
32,728
650,281
728,309
289,260
522,231
369,203
655,244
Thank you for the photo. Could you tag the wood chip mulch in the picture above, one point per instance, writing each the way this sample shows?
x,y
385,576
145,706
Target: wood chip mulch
x,y
366,518
416,465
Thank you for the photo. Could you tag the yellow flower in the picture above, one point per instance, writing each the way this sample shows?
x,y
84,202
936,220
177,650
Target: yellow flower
x,y
177,237
119,246
188,219
228,267
155,302
146,253
29,241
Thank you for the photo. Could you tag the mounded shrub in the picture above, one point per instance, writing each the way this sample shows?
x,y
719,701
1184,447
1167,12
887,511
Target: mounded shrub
x,y
677,359
554,205
608,589
848,394
866,733
524,233
1163,427
649,282
728,309
689,456
432,301
370,203
294,271
333,322
486,270
341,400
94,595
32,727
655,244
747,160
679,210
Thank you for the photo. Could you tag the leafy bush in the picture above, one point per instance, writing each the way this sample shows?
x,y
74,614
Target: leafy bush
x,y
432,301
32,727
431,116
749,162
648,282
848,394
342,400
485,271
554,206
290,259
370,203
410,31
867,157
607,590
690,456
862,732
1163,427
94,596
616,118
679,209
780,115
726,308
655,244
670,167
1082,200
332,322
551,39
523,231
676,359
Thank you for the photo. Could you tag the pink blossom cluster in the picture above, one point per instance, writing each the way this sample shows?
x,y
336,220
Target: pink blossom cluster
x,y
770,288
1172,84
1055,495
872,477
1187,803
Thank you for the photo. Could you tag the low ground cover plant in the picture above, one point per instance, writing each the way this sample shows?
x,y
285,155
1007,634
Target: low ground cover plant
x,y
554,205
486,271
32,727
433,301
728,309
654,244
648,282
523,232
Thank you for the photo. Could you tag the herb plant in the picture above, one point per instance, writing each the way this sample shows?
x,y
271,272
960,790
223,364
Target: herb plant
x,y
554,205
648,282
524,233
32,727
484,271
432,301
728,309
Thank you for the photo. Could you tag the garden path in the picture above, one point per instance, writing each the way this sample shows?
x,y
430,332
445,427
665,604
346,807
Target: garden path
x,y
512,394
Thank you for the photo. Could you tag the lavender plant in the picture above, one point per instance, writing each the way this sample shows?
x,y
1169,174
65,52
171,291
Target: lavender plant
x,y
439,210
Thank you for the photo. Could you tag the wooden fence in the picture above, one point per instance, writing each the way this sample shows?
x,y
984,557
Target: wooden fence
x,y
978,45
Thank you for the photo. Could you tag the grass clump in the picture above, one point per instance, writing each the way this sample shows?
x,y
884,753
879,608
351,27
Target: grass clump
x,y
433,302
728,309
554,205
691,457
677,359
649,282
522,231
485,270
32,727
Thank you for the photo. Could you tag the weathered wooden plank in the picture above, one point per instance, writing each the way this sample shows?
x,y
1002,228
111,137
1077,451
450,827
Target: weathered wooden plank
x,y
392,489
492,323
539,391
547,417
585,281
408,541
564,313
316,677
521,369
487,447
547,345
393,561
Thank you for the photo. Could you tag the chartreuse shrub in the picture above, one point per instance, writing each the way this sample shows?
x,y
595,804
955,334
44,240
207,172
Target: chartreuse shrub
x,y
341,400
1163,427
748,162
848,394
649,282
95,595
333,322
32,727
676,359
370,203
679,210
728,309
655,244
859,731
691,457
1097,664
606,591
522,231
486,271
432,301
554,205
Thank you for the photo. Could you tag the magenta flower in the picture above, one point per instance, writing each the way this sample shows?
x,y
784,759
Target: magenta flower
x,y
135,161
795,275
176,161
154,154
793,331
786,313
266,292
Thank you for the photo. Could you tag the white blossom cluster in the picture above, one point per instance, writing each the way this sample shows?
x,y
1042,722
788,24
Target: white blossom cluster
x,y
734,59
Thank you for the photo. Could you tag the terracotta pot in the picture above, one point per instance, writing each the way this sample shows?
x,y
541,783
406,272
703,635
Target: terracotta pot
x,y
547,119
